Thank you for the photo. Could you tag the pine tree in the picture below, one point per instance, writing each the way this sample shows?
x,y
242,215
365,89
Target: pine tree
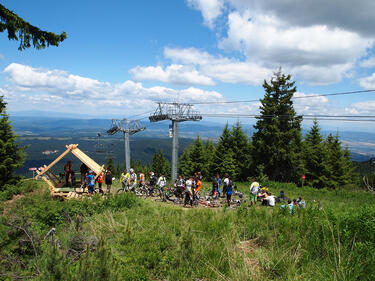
x,y
222,147
277,140
110,165
209,152
228,165
11,155
341,170
160,164
316,170
197,155
241,153
184,163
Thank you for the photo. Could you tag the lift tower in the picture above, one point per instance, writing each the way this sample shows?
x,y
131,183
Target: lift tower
x,y
176,112
128,127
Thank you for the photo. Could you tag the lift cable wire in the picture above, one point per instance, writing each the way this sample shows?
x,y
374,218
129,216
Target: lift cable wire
x,y
299,97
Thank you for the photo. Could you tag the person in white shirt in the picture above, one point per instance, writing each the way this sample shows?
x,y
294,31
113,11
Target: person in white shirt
x,y
271,200
162,182
254,189
188,192
132,180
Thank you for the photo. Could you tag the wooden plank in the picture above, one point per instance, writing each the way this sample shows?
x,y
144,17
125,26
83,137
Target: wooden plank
x,y
55,161
53,175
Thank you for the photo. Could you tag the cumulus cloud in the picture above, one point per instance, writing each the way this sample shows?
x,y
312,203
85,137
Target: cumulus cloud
x,y
361,108
56,89
368,82
369,62
210,9
175,74
319,42
201,68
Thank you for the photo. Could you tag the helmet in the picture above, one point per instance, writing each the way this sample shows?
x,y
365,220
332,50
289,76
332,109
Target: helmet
x,y
131,170
151,173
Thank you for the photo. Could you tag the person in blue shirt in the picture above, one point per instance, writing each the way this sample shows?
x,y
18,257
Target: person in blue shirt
x,y
229,190
91,182
219,183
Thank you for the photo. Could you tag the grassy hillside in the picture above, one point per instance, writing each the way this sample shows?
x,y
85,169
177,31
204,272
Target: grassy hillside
x,y
129,238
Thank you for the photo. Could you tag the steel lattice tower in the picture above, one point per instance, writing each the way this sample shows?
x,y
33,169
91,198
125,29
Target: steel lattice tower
x,y
176,112
128,127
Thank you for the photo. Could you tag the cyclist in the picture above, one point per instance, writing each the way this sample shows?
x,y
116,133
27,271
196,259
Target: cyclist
x,y
132,180
180,186
141,179
198,186
162,182
124,179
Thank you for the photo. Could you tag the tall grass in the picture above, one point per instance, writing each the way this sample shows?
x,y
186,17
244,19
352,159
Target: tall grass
x,y
127,238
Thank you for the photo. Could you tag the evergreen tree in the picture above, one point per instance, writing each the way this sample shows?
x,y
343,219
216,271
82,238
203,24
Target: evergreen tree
x,y
241,152
228,165
185,166
209,152
11,155
197,156
277,140
19,29
341,170
316,170
222,147
160,164
110,165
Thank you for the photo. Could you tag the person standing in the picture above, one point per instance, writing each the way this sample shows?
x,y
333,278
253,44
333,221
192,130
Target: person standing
x,y
226,182
254,189
124,179
132,180
141,179
219,184
198,186
188,192
229,190
100,180
84,170
162,182
108,181
91,182
68,169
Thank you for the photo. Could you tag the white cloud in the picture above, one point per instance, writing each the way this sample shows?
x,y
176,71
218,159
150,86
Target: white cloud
x,y
318,43
362,108
368,82
370,62
175,74
201,68
210,9
57,90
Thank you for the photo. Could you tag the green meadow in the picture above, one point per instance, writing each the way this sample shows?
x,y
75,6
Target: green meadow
x,y
123,237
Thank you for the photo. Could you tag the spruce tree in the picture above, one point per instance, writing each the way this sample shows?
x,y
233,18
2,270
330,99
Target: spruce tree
x,y
228,165
241,152
160,164
277,140
316,170
184,163
222,147
341,171
209,152
197,155
12,155
110,165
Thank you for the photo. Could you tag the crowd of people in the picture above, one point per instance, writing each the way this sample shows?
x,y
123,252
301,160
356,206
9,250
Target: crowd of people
x,y
185,188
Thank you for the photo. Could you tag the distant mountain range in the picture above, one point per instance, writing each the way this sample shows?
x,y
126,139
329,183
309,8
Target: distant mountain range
x,y
61,126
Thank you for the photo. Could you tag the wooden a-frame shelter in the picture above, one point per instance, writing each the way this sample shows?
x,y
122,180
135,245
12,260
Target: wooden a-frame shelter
x,y
54,182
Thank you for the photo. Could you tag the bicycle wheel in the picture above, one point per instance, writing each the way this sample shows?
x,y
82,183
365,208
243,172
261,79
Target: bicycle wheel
x,y
120,191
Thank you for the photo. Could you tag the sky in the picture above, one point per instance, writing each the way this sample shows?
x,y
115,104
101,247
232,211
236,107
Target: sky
x,y
121,57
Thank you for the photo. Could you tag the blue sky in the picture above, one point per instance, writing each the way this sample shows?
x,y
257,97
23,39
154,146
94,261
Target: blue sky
x,y
123,56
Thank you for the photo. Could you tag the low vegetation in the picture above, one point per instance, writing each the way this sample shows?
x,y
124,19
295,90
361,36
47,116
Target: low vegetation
x,y
128,238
